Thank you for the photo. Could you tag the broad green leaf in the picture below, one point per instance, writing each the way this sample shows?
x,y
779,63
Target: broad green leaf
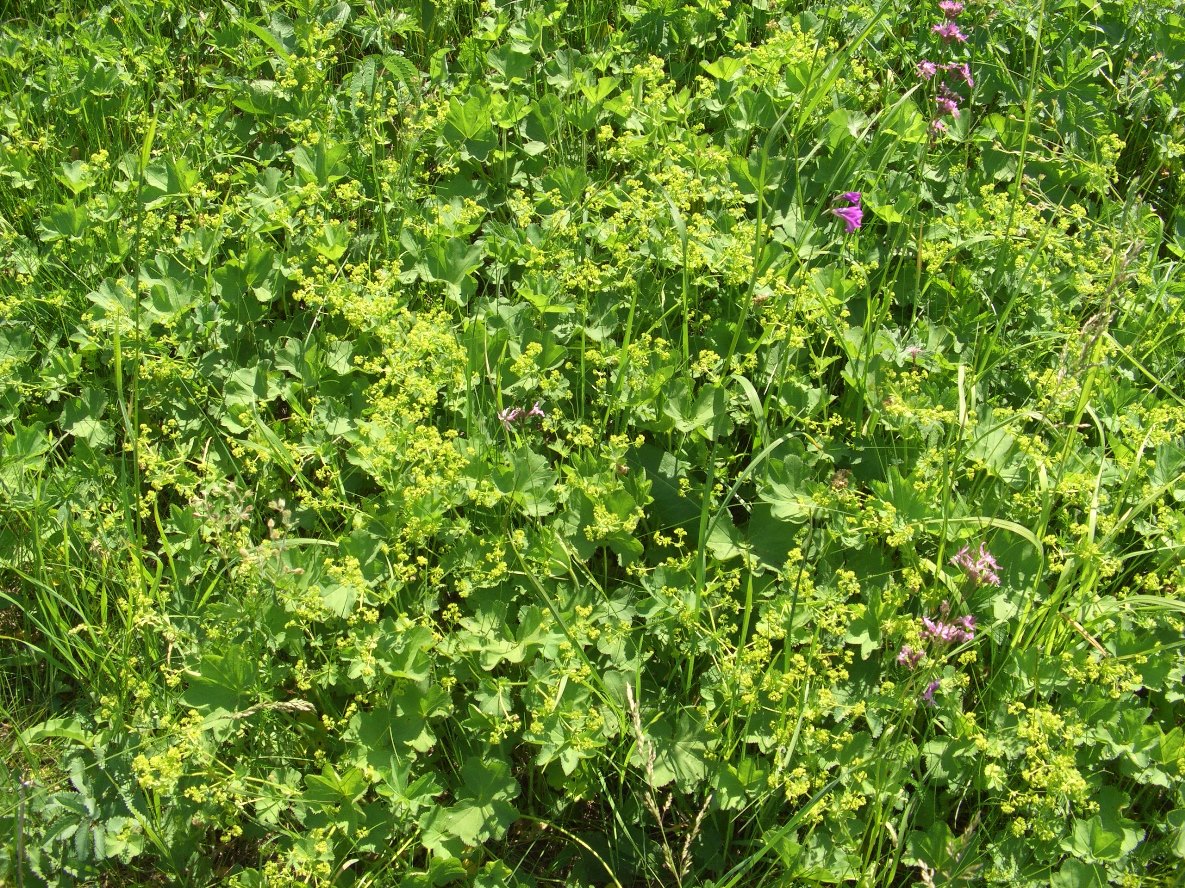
x,y
483,810
513,63
166,180
470,124
680,745
272,41
1106,837
1169,469
724,68
1077,874
786,489
322,163
63,221
332,240
600,90
1176,823
331,788
906,123
529,480
223,683
76,175
82,417
441,871
707,413
25,448
724,540
934,847
65,728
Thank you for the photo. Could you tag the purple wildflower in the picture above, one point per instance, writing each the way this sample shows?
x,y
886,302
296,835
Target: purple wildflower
x,y
962,71
963,559
949,31
947,101
927,69
987,567
928,693
511,415
948,633
909,657
959,631
950,8
853,217
937,126
982,568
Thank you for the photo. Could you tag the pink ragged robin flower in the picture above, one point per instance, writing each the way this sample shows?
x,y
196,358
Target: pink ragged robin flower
x,y
926,69
910,658
511,415
982,568
960,631
949,31
962,71
947,101
950,8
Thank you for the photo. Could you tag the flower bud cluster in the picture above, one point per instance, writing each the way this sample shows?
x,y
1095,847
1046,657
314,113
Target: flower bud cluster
x,y
947,99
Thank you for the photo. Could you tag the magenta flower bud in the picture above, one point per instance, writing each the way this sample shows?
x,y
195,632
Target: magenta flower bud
x,y
928,693
852,217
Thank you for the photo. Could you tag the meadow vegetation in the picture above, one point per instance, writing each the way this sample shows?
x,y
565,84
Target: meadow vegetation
x,y
575,442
